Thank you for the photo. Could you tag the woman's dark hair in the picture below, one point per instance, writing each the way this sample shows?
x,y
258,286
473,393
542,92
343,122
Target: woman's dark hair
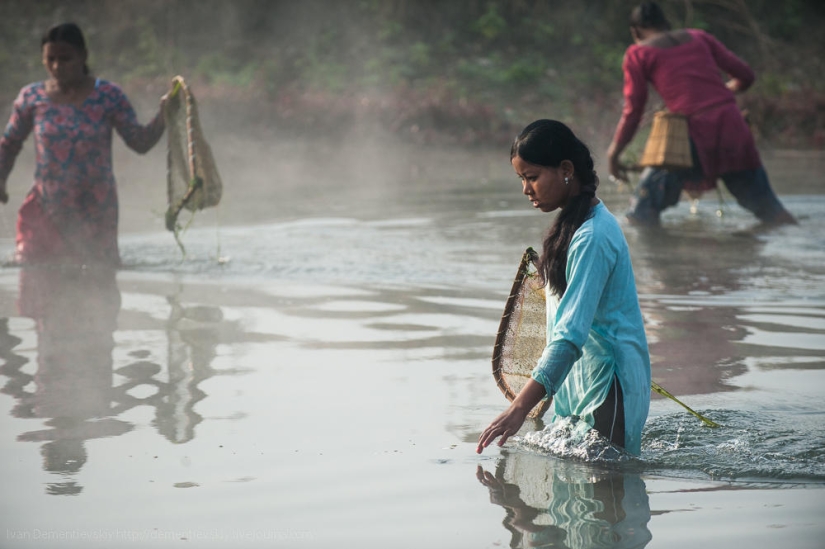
x,y
648,15
69,33
548,143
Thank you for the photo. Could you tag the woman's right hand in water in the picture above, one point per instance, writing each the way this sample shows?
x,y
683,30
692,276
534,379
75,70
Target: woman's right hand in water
x,y
509,422
505,425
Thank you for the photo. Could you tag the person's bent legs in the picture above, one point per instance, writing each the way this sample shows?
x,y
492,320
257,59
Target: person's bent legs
x,y
753,191
658,189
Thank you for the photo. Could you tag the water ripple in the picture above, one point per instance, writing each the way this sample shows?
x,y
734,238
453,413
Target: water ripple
x,y
750,448
757,447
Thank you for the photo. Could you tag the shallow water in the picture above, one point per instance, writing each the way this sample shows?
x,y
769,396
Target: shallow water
x,y
317,370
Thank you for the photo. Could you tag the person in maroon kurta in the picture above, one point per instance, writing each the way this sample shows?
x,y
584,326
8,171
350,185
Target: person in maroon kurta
x,y
684,67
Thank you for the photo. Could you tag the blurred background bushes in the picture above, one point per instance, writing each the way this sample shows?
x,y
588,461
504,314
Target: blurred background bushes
x,y
466,71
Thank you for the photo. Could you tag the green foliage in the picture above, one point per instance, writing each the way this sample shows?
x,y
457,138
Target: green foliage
x,y
390,66
518,56
146,58
271,75
608,57
790,21
320,66
577,39
485,69
219,68
700,23
420,55
771,84
324,74
390,30
490,25
542,30
503,72
524,72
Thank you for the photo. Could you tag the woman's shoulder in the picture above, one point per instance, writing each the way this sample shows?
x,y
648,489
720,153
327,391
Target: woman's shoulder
x,y
107,87
32,91
601,227
697,33
702,39
602,217
633,51
607,220
594,242
110,94
639,54
682,37
706,39
33,87
110,90
30,96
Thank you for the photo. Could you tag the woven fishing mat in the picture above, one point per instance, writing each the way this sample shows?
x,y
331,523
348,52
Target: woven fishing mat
x,y
193,181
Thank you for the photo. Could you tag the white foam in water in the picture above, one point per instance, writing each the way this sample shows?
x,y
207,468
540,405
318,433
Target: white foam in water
x,y
573,438
756,447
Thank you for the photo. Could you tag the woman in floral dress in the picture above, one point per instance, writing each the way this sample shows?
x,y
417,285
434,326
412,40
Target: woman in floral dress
x,y
71,212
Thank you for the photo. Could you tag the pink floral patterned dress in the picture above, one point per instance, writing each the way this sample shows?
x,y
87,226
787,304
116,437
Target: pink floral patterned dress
x,y
71,212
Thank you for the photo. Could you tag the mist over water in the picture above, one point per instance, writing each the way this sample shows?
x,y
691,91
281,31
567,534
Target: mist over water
x,y
329,334
315,370
727,304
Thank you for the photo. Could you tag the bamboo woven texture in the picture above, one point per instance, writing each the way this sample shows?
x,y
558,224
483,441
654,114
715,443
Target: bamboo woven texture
x,y
522,333
522,337
193,181
668,145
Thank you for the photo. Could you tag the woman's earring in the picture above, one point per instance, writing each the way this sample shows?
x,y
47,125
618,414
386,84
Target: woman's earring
x,y
566,180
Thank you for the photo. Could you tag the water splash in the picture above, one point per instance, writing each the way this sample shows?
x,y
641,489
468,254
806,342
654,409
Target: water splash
x,y
751,446
573,439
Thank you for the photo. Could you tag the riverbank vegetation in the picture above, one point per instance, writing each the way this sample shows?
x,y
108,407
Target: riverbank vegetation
x,y
460,71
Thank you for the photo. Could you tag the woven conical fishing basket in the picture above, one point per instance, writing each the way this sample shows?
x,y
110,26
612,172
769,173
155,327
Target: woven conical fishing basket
x,y
522,337
668,146
522,333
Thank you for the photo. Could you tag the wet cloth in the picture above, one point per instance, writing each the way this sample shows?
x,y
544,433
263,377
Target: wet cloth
x,y
687,77
71,211
595,332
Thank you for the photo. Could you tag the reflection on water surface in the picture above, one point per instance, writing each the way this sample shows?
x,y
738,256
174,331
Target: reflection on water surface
x,y
78,389
339,366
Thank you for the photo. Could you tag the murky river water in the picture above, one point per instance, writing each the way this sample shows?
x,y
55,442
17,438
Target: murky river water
x,y
324,382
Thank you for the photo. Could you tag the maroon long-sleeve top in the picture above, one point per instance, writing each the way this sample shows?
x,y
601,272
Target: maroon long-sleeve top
x,y
688,77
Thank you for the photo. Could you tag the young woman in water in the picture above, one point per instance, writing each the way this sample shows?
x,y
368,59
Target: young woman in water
x,y
71,212
596,365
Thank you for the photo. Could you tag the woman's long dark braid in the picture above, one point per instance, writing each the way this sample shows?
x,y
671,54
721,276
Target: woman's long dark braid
x,y
549,143
553,265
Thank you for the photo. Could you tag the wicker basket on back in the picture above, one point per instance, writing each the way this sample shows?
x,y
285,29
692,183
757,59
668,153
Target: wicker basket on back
x,y
668,145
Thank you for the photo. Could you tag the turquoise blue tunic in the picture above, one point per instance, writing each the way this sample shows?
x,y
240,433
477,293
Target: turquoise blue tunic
x,y
596,331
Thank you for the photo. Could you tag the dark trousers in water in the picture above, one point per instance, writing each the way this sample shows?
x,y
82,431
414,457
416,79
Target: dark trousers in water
x,y
609,417
659,189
